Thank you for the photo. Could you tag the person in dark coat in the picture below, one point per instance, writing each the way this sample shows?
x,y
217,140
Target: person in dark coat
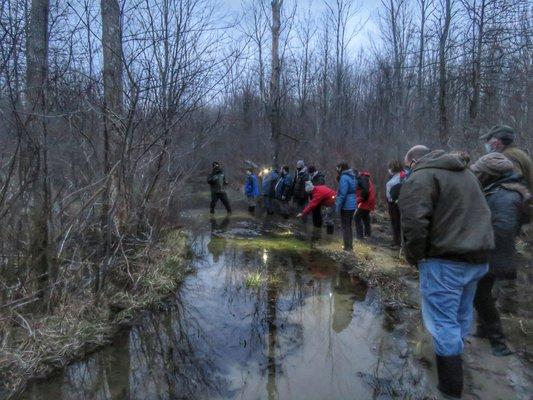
x,y
507,198
346,203
299,195
394,184
447,235
268,185
217,181
283,191
317,178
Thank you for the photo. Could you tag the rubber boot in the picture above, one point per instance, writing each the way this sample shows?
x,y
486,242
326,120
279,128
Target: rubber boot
x,y
481,332
499,346
450,372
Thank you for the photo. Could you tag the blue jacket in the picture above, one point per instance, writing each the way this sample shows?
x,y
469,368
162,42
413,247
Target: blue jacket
x,y
251,187
269,184
346,193
284,187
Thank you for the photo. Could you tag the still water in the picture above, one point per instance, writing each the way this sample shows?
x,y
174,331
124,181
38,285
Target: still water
x,y
264,316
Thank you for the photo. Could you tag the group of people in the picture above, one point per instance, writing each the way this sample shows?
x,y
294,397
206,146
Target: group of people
x,y
456,221
459,223
305,193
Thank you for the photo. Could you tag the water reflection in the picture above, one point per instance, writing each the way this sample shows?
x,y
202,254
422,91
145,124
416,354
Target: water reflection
x,y
303,333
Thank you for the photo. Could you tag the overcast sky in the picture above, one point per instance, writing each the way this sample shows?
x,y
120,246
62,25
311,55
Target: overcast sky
x,y
368,12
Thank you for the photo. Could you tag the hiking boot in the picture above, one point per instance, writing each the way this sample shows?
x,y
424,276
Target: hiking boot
x,y
251,209
499,346
450,373
481,332
330,229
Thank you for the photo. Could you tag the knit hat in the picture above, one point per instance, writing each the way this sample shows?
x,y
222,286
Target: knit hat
x,y
300,164
503,132
494,164
309,186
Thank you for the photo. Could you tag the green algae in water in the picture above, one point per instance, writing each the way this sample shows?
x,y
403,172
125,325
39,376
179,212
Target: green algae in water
x,y
259,243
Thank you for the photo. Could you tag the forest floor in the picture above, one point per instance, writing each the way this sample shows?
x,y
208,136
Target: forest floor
x,y
35,343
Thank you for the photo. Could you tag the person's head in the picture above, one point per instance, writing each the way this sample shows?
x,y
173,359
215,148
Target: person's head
x,y
309,187
216,165
312,169
249,171
492,167
285,170
395,166
498,138
342,166
300,164
415,154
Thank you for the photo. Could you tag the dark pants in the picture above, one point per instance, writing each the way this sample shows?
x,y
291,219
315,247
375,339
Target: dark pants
x,y
223,197
488,318
317,217
362,223
394,214
283,208
347,230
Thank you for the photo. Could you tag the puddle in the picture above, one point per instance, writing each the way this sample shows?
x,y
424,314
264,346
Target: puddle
x,y
313,331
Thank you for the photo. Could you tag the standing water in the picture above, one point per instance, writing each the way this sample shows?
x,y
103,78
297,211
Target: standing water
x,y
264,316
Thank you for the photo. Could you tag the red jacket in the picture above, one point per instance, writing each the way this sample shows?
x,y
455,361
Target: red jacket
x,y
364,181
321,195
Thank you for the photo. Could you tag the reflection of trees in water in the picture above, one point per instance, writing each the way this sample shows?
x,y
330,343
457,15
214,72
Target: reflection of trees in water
x,y
86,380
165,358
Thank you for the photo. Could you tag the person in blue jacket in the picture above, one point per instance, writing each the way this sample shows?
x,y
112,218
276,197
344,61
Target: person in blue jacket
x,y
268,186
346,203
251,189
284,191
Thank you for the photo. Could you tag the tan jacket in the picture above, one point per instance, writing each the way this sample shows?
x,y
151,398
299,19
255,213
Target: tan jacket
x,y
523,164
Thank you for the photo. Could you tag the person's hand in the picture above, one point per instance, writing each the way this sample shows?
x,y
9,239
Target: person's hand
x,y
283,198
299,215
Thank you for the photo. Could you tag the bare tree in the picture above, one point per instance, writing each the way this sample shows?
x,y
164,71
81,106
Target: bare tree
x,y
36,151
112,112
275,78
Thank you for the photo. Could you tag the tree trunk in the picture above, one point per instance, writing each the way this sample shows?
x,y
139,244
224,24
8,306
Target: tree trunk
x,y
476,67
443,43
36,146
275,77
112,111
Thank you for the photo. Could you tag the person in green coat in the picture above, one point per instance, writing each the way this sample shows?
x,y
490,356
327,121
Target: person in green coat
x,y
217,181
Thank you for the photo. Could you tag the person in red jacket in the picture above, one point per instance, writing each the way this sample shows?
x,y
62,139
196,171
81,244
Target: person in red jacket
x,y
366,203
323,197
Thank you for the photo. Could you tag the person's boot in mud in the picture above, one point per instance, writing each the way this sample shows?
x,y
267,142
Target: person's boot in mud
x,y
450,374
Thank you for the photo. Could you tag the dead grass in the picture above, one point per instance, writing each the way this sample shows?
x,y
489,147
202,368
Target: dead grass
x,y
33,345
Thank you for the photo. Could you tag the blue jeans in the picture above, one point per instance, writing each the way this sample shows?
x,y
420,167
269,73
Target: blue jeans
x,y
448,289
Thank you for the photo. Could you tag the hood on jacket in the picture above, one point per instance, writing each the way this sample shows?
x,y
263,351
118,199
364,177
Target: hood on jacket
x,y
348,172
441,160
364,173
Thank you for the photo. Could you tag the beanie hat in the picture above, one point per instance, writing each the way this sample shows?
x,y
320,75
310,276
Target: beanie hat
x,y
309,186
300,164
502,132
494,164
